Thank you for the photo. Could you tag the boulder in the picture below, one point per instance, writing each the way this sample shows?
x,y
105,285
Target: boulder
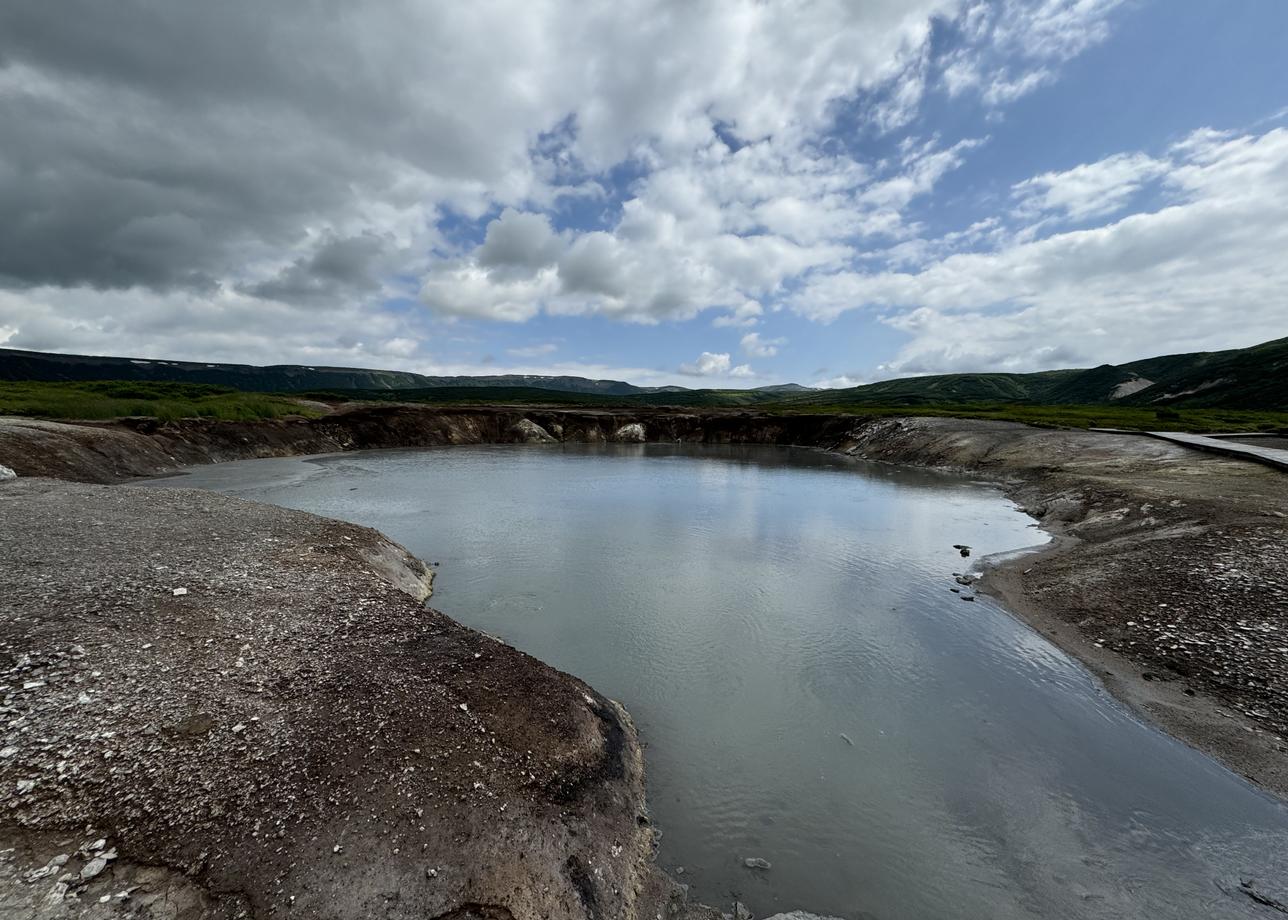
x,y
630,434
529,432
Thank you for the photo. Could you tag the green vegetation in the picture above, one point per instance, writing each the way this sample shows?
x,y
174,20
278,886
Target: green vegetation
x,y
169,401
538,396
1251,379
106,399
834,401
1127,417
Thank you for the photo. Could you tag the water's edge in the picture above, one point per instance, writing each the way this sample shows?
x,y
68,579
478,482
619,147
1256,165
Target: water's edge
x,y
1059,477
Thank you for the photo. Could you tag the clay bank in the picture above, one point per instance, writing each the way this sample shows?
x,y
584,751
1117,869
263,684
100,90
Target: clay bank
x,y
295,718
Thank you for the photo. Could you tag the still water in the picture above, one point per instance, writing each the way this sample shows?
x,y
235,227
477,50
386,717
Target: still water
x,y
780,625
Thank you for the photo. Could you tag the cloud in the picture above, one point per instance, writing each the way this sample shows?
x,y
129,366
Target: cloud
x,y
745,314
726,230
519,242
1009,48
533,351
715,365
840,382
282,180
1091,189
1205,270
756,347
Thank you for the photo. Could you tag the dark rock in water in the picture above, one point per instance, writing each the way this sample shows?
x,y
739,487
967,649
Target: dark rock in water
x,y
755,862
965,550
968,597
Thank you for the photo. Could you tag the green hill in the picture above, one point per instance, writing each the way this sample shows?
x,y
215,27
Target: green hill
x,y
1245,378
16,364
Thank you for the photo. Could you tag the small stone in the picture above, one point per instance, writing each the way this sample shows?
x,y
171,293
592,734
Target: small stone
x,y
179,592
93,868
431,873
755,862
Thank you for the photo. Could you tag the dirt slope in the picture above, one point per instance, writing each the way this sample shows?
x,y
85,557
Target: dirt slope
x,y
214,708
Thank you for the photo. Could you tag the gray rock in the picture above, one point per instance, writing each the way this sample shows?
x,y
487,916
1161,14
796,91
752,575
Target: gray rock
x,y
7,474
93,868
630,434
530,432
755,862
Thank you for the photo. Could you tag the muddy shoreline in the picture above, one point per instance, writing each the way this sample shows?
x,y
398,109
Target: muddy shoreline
x,y
1167,577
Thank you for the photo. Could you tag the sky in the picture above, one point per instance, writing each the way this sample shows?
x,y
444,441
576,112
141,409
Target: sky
x,y
718,193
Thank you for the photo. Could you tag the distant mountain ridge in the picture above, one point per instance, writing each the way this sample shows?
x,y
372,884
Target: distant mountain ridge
x,y
1243,378
16,364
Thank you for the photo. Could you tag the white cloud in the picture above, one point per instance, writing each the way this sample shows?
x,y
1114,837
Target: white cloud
x,y
520,243
726,230
840,382
745,314
715,365
1205,271
1091,189
279,206
1012,47
533,351
756,347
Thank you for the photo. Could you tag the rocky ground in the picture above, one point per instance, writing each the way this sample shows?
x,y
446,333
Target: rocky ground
x,y
1168,575
217,709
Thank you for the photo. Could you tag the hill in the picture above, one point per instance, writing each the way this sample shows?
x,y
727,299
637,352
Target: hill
x,y
1243,378
280,378
1253,378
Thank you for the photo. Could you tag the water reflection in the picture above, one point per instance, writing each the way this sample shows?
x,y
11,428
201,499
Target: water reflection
x,y
750,606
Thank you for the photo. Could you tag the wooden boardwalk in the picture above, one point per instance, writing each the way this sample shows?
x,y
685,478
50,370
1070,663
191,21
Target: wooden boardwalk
x,y
1270,456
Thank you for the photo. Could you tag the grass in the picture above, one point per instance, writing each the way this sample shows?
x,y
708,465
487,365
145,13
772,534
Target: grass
x,y
108,399
170,401
1137,419
1055,416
